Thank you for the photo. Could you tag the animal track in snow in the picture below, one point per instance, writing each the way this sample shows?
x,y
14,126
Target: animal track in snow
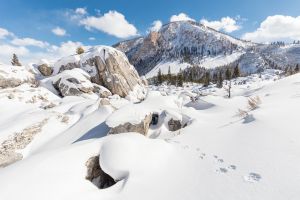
x,y
233,167
222,170
252,177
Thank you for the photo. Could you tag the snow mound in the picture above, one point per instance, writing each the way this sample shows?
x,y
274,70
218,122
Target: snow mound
x,y
131,153
12,76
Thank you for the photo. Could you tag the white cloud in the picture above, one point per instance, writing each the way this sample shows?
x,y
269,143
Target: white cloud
x,y
274,28
8,50
156,25
59,31
4,33
29,42
113,23
92,38
226,24
81,11
65,49
180,17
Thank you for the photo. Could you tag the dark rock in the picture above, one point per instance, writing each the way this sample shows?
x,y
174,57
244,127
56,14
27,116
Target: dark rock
x,y
174,125
96,175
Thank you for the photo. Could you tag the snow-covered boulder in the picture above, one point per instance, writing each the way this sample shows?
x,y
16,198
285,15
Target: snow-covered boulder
x,y
13,76
107,67
73,83
129,119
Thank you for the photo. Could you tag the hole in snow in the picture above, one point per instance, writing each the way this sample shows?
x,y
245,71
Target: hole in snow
x,y
96,175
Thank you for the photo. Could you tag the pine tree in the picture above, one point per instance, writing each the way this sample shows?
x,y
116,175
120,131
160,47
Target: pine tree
x,y
215,77
79,50
159,77
206,79
220,80
297,68
15,61
228,74
236,71
180,79
169,76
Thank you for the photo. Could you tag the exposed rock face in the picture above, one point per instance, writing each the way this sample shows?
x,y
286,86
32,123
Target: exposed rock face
x,y
73,83
45,70
174,125
13,76
141,128
107,67
101,91
96,175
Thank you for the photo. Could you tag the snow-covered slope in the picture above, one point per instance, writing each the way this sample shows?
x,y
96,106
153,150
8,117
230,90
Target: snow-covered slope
x,y
218,155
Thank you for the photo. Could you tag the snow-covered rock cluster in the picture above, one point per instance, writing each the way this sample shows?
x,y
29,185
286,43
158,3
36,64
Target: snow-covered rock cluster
x,y
107,67
13,76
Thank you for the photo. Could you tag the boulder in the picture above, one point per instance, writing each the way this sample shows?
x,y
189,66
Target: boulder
x,y
107,67
96,175
174,125
45,69
73,82
128,127
13,76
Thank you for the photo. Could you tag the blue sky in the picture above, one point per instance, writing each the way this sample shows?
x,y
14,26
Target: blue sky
x,y
38,20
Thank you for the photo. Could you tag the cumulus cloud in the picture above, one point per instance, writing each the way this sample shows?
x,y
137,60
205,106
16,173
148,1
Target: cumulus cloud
x,y
29,42
92,38
10,49
226,24
112,23
274,28
4,33
59,31
156,26
81,11
180,17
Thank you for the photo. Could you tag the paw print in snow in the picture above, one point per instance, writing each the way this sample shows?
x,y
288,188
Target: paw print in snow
x,y
233,167
252,177
222,170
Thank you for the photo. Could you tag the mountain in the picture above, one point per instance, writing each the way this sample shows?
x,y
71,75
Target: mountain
x,y
182,44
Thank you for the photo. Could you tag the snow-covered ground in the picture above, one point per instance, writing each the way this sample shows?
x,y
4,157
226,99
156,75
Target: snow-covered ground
x,y
218,155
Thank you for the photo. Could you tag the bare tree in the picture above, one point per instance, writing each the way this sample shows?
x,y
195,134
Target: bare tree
x,y
228,88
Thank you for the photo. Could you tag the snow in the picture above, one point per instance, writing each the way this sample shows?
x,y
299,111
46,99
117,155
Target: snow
x,y
218,61
207,62
16,72
218,155
174,66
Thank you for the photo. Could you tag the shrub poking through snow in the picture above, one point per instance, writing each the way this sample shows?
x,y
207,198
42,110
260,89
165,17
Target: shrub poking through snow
x,y
242,113
79,50
253,102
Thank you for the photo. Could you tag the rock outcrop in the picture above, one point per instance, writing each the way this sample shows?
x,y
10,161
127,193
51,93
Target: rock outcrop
x,y
128,127
107,67
13,76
